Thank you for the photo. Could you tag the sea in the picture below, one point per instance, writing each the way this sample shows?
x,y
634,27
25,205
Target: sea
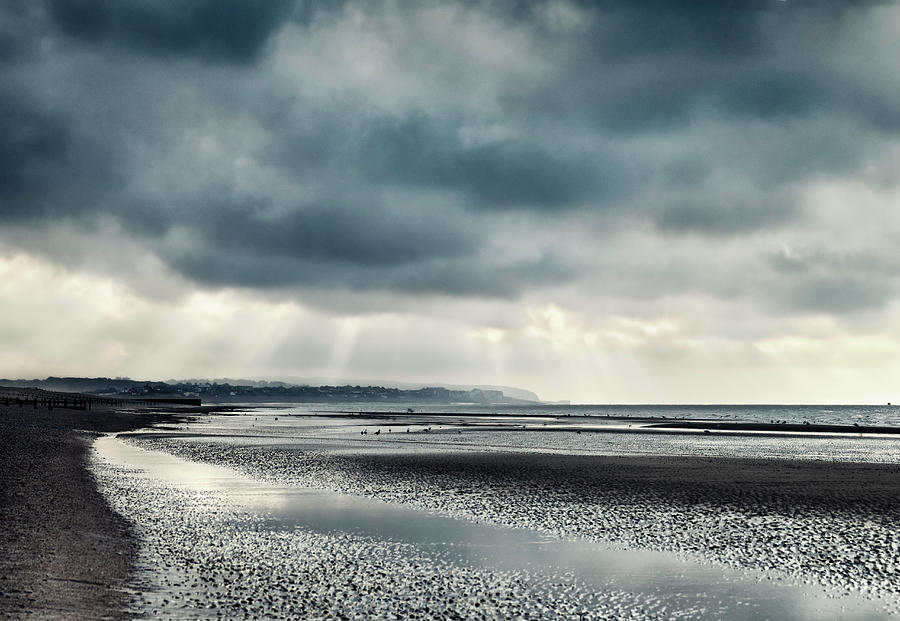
x,y
863,415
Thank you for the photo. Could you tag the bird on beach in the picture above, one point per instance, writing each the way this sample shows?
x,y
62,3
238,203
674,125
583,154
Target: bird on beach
x,y
378,432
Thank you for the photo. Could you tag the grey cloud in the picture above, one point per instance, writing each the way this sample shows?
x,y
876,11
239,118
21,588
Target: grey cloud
x,y
723,29
844,260
431,153
19,29
504,173
838,294
647,67
477,277
34,146
787,263
727,216
464,275
356,243
700,118
833,281
49,170
230,30
365,233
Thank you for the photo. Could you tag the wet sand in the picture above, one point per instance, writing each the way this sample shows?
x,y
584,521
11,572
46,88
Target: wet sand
x,y
251,549
828,523
63,552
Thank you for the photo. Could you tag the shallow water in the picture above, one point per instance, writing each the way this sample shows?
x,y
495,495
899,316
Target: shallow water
x,y
299,426
886,415
626,582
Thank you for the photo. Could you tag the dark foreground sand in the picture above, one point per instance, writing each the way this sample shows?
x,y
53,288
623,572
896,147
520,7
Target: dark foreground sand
x,y
64,554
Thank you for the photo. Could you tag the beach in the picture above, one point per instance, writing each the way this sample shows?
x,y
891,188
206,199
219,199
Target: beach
x,y
263,514
828,523
64,553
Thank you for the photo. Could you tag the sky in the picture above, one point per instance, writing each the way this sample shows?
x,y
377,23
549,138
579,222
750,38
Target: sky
x,y
614,201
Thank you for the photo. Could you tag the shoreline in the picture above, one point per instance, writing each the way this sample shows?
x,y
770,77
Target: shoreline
x,y
64,553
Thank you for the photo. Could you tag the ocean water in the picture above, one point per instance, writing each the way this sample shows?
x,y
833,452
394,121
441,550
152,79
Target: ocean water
x,y
864,415
596,430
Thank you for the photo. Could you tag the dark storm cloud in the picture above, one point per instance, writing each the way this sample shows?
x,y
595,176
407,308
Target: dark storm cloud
x,y
49,172
352,233
232,30
17,33
361,260
649,66
657,27
500,174
33,147
363,246
428,153
464,276
367,146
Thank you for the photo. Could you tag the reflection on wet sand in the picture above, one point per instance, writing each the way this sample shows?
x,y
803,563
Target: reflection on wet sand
x,y
515,487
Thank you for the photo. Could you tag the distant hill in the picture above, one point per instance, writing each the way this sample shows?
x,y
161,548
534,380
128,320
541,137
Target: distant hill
x,y
274,390
509,391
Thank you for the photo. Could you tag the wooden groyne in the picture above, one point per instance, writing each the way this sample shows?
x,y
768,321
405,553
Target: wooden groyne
x,y
35,398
